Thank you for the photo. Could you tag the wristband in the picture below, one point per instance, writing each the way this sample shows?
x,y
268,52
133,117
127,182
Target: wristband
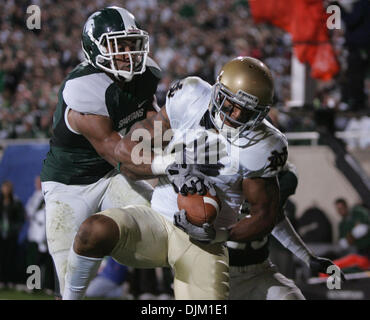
x,y
160,163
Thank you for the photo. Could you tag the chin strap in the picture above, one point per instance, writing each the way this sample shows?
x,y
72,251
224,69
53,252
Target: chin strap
x,y
289,238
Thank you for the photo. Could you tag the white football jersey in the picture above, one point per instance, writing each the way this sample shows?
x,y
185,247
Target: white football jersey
x,y
261,153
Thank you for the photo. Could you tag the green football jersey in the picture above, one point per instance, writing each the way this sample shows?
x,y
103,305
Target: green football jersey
x,y
72,159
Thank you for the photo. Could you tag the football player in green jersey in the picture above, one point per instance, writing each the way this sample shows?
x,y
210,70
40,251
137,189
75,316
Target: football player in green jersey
x,y
98,102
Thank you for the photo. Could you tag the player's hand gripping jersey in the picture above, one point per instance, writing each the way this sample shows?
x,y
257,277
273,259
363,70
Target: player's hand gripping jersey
x,y
260,153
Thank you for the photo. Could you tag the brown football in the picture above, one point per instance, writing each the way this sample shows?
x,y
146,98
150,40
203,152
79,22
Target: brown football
x,y
199,209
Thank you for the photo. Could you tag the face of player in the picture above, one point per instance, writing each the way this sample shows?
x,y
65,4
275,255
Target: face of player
x,y
236,113
122,61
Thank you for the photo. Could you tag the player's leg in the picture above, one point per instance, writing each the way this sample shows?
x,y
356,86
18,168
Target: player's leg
x,y
64,213
122,192
134,236
67,206
261,282
201,271
108,283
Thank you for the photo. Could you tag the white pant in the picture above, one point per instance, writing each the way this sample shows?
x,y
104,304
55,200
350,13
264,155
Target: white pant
x,y
261,282
67,206
148,240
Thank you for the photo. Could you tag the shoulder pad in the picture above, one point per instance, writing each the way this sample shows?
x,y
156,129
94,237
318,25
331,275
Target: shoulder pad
x,y
187,99
86,94
267,155
153,67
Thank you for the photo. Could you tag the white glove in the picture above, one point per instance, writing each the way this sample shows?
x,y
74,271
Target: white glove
x,y
206,233
192,178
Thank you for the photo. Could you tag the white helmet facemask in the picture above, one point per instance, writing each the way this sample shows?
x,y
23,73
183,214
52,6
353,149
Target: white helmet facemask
x,y
113,44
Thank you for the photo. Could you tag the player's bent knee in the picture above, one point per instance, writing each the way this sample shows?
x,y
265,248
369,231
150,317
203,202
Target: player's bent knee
x,y
96,237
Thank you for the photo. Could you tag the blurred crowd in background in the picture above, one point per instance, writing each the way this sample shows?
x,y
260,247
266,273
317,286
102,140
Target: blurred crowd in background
x,y
187,37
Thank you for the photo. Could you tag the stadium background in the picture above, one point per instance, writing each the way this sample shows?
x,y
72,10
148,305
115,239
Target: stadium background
x,y
328,136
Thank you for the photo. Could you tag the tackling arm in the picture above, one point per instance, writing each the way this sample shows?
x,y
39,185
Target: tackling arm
x,y
99,131
144,163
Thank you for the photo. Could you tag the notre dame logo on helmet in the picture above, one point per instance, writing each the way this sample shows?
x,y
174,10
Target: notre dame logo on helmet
x,y
278,159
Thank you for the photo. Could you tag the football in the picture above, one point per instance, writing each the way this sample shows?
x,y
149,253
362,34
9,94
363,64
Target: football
x,y
199,209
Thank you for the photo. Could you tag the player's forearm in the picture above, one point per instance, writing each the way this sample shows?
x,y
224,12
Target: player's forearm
x,y
289,238
135,150
254,227
130,158
140,159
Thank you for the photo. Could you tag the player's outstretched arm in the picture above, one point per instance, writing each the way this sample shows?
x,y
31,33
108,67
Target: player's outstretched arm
x,y
134,151
285,233
98,130
110,145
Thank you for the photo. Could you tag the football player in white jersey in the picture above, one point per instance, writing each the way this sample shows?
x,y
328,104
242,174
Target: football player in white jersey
x,y
232,113
252,275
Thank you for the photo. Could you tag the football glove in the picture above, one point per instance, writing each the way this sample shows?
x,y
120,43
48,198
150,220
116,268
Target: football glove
x,y
321,265
191,178
205,234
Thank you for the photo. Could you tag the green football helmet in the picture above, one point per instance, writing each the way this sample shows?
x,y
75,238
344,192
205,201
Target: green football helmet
x,y
112,33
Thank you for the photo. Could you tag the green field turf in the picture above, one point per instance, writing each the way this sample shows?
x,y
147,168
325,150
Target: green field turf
x,y
11,294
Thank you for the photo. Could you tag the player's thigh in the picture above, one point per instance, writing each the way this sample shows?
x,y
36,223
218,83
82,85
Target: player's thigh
x,y
122,192
201,271
142,237
64,214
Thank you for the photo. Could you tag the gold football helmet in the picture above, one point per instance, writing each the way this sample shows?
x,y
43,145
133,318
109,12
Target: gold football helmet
x,y
245,83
